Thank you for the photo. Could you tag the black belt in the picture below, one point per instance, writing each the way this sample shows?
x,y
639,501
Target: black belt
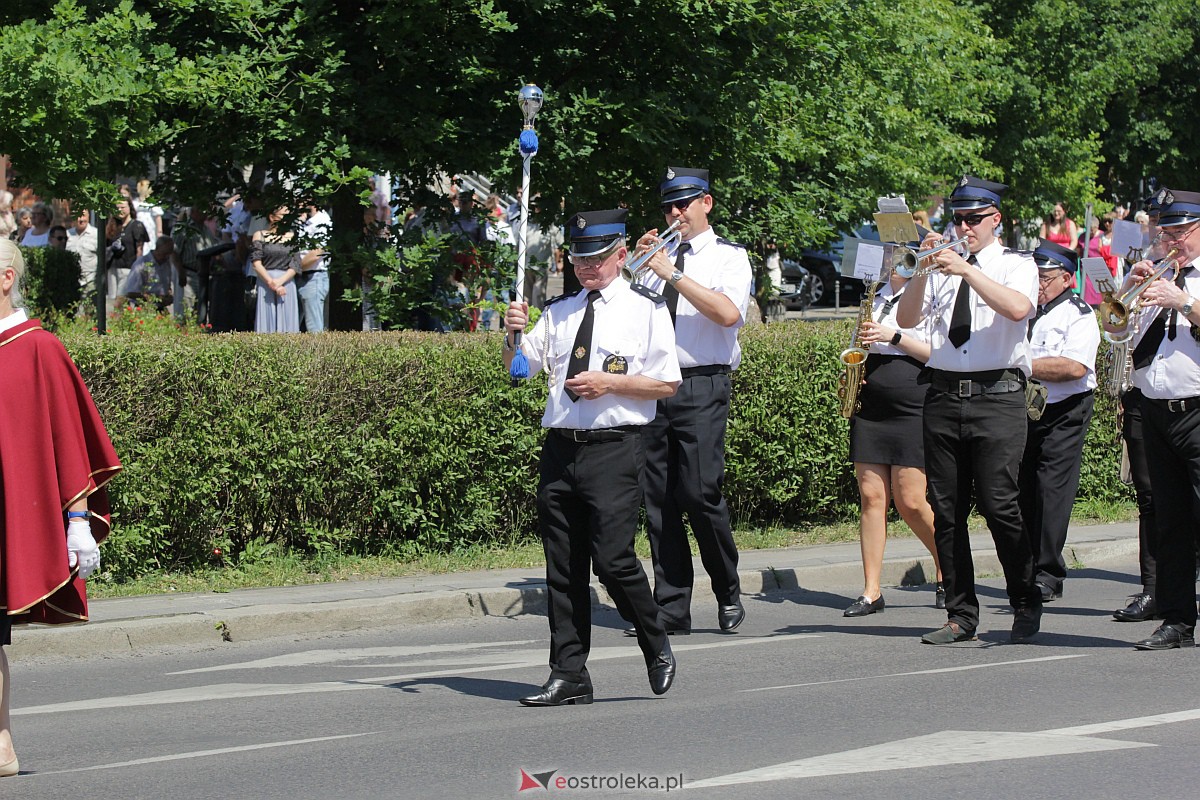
x,y
598,434
968,384
1177,406
711,369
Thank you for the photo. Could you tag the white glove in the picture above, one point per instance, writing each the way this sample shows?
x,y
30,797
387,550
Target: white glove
x,y
82,548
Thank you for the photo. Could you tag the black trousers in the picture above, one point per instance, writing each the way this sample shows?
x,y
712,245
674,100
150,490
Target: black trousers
x,y
589,500
975,444
685,470
1133,432
1173,456
1049,480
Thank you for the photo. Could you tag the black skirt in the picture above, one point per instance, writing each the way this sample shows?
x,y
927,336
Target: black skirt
x,y
887,429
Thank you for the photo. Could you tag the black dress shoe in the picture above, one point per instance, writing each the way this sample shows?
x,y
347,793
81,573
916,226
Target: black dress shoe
x,y
1049,593
939,596
862,606
729,617
1167,637
1141,608
1026,624
558,692
671,631
661,670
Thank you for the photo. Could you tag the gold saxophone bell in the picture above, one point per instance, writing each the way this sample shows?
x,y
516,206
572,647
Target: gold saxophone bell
x,y
1116,310
635,267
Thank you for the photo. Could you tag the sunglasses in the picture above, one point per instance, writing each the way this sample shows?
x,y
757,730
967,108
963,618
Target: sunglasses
x,y
971,219
679,205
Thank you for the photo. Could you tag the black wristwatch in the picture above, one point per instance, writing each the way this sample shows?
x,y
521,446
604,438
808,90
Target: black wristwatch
x,y
896,339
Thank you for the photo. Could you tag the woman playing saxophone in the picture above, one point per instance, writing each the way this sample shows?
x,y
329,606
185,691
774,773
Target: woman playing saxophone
x,y
886,439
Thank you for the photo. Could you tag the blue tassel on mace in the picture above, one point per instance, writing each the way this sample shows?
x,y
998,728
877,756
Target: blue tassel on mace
x,y
529,142
519,370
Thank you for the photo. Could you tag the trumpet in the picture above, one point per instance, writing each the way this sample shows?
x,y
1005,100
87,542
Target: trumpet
x,y
1116,311
637,266
905,259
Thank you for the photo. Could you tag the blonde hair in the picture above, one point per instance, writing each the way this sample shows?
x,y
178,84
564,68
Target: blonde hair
x,y
10,256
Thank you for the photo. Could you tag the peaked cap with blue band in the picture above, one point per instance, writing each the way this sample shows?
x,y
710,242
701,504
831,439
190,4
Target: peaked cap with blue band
x,y
594,232
974,193
1178,207
1049,255
680,183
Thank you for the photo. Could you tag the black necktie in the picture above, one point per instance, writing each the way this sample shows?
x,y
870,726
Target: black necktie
x,y
960,319
581,353
1175,314
1041,312
669,291
1146,349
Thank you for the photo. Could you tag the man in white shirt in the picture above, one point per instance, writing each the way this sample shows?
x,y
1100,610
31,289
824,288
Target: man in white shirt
x,y
609,355
313,281
975,416
706,282
1063,339
81,240
1166,359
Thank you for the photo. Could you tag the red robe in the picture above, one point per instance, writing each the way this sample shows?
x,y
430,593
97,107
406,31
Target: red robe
x,y
53,451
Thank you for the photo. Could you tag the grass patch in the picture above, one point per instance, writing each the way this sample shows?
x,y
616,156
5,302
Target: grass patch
x,y
287,569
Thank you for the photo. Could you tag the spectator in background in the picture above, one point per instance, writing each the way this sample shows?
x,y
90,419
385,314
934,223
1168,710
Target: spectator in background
x,y
126,237
150,277
81,240
1059,228
24,221
8,222
1100,246
313,280
38,234
148,213
190,234
276,263
921,217
57,238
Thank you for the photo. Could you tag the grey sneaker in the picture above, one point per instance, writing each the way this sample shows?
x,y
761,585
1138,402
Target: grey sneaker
x,y
949,633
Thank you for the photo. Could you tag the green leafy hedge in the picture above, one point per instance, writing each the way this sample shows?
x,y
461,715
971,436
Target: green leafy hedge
x,y
404,442
51,281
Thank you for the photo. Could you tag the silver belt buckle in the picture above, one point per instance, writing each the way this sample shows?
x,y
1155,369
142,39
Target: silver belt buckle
x,y
1176,406
579,437
964,388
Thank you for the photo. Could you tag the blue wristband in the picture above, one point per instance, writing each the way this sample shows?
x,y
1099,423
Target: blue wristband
x,y
77,515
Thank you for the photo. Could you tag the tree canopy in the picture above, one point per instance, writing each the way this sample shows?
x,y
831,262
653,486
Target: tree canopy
x,y
804,110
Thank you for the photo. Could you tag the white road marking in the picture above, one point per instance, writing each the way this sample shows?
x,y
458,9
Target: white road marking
x,y
241,691
205,753
918,672
1128,724
314,657
934,750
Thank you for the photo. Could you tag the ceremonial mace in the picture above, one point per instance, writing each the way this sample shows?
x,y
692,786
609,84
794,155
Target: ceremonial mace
x,y
530,100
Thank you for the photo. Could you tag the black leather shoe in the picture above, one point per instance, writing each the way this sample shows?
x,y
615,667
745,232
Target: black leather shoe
x,y
558,692
939,596
862,606
1141,608
1167,637
1049,593
1026,624
670,631
729,617
661,670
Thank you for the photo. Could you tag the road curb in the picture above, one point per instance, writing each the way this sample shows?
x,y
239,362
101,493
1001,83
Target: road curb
x,y
270,620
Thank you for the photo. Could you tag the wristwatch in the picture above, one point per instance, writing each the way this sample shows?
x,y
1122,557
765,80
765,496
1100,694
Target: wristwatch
x,y
675,278
1186,309
896,339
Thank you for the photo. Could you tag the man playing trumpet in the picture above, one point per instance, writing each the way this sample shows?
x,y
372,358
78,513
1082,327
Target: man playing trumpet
x,y
975,417
1166,359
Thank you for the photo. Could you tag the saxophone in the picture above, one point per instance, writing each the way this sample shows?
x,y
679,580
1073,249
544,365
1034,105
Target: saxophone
x,y
854,357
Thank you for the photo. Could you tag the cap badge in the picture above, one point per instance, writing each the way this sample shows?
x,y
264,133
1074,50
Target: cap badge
x,y
670,174
1165,197
964,181
581,223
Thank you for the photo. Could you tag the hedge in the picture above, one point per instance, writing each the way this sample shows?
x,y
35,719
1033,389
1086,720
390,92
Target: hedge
x,y
377,443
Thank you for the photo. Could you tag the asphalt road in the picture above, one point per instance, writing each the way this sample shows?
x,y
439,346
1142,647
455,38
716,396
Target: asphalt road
x,y
800,703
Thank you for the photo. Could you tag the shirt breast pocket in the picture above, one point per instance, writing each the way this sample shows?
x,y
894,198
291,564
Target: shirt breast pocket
x,y
619,357
1052,342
